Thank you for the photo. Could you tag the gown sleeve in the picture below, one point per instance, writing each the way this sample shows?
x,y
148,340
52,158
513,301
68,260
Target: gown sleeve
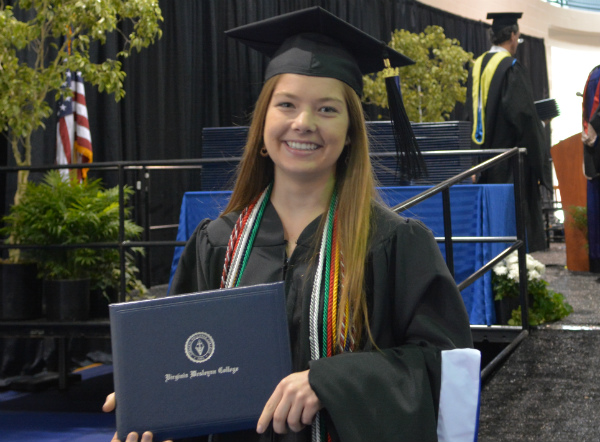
x,y
391,393
518,105
187,278
201,261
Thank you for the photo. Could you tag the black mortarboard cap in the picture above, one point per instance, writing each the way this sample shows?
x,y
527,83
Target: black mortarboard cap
x,y
502,20
315,42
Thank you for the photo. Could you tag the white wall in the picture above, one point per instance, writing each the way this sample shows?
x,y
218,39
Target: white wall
x,y
572,39
570,69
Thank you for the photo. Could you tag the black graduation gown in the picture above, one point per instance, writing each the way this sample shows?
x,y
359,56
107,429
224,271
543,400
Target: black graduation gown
x,y
415,311
513,122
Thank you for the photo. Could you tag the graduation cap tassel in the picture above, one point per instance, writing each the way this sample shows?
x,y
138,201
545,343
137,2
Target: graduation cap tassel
x,y
410,160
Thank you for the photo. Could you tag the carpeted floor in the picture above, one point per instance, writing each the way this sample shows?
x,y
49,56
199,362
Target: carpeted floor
x,y
547,390
52,415
21,426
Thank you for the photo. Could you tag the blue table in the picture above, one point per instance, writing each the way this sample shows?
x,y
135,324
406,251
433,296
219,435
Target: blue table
x,y
477,210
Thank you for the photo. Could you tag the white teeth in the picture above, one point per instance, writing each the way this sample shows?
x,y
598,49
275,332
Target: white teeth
x,y
302,146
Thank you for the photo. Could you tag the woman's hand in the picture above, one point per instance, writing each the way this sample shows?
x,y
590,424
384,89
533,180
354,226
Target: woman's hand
x,y
109,405
293,404
133,437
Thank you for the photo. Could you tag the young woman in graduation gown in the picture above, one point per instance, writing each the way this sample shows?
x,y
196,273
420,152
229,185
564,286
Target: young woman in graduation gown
x,y
370,301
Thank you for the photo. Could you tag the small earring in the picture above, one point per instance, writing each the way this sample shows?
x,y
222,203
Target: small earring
x,y
264,152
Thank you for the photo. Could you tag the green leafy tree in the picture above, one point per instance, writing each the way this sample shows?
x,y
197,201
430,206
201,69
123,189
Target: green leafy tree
x,y
35,55
434,84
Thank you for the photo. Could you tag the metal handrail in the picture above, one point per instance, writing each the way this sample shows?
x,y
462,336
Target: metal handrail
x,y
122,244
517,242
504,154
489,265
487,371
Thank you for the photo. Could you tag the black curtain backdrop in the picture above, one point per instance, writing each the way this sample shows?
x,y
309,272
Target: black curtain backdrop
x,y
194,77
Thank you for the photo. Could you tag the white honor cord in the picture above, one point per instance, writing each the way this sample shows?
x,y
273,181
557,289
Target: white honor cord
x,y
237,259
315,301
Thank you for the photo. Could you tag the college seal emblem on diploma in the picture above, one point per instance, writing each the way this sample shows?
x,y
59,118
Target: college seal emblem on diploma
x,y
199,347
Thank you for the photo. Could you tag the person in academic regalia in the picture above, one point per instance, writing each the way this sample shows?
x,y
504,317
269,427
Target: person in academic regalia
x,y
502,110
372,308
591,163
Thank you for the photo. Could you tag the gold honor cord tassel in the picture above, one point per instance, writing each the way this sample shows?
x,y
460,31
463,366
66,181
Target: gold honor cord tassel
x,y
389,71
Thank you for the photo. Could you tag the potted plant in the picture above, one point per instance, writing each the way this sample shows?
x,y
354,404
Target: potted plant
x,y
58,212
545,305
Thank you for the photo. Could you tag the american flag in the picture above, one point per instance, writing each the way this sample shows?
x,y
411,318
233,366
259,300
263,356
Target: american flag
x,y
73,138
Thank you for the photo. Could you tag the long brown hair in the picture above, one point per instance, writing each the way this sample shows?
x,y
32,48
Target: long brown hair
x,y
355,187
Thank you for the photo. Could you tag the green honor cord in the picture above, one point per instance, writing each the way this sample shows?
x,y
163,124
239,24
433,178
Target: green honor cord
x,y
253,234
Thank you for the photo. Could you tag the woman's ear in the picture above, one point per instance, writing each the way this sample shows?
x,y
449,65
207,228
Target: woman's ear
x,y
347,143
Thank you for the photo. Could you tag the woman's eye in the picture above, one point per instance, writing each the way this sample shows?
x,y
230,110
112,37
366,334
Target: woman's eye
x,y
285,104
328,109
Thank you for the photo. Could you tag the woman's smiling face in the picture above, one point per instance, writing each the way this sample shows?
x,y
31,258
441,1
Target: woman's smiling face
x,y
306,126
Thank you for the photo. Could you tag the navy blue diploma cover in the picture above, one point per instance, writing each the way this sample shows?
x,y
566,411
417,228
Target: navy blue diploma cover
x,y
200,363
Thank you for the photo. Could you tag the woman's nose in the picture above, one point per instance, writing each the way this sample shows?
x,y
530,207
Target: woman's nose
x,y
304,121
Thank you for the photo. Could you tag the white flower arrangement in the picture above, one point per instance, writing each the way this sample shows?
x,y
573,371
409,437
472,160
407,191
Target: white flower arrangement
x,y
545,305
510,266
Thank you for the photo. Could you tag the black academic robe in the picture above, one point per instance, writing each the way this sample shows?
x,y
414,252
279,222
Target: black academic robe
x,y
415,311
512,121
